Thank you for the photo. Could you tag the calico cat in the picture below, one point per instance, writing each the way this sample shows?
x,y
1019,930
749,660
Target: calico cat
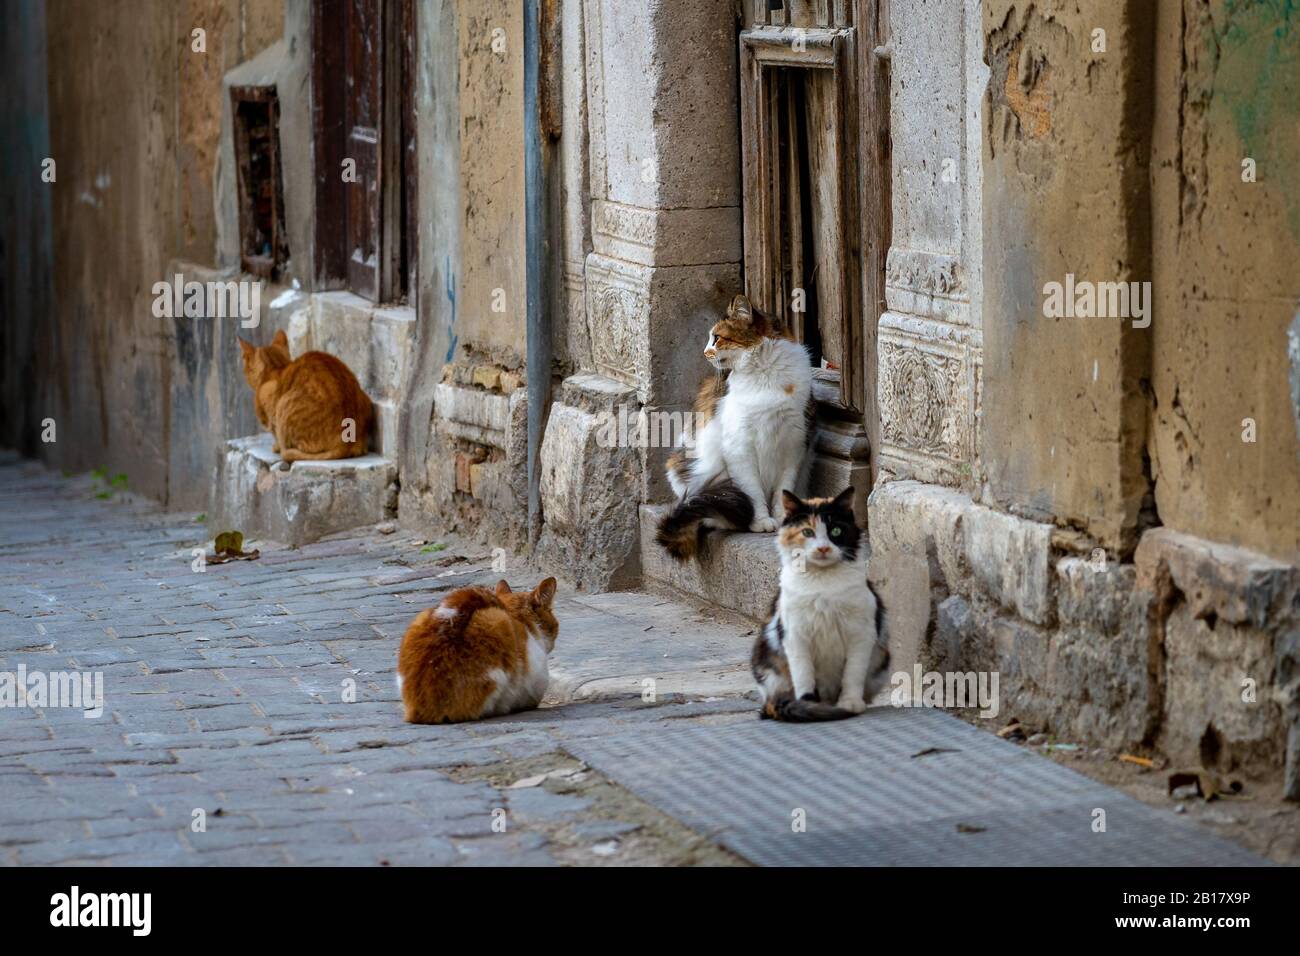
x,y
306,402
478,654
754,426
822,655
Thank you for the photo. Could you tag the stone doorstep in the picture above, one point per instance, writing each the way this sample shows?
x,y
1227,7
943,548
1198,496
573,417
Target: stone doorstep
x,y
309,501
733,570
376,342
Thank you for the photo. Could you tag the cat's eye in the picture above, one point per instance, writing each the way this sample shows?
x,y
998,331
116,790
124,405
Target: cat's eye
x,y
835,532
807,532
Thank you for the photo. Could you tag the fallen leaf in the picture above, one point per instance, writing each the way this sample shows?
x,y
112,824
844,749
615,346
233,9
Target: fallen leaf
x,y
934,750
969,828
229,546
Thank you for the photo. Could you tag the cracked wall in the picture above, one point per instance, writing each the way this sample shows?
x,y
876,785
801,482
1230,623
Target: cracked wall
x,y
1227,288
1065,174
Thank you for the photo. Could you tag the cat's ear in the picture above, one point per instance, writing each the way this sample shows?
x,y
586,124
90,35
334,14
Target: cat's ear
x,y
544,593
791,503
741,310
245,348
844,500
280,339
503,588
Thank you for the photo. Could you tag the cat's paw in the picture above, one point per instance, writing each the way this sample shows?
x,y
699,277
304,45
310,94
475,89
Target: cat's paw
x,y
762,525
854,705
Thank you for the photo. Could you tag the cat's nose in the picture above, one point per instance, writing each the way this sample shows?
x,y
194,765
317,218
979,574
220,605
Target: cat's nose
x,y
709,353
823,550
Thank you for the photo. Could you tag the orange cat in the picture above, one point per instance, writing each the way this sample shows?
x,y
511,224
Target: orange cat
x,y
313,405
477,654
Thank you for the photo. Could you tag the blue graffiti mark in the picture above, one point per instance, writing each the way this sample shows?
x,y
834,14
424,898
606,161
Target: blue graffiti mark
x,y
1293,354
451,297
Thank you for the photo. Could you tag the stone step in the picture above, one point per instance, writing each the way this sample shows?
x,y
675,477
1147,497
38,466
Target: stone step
x,y
733,570
310,500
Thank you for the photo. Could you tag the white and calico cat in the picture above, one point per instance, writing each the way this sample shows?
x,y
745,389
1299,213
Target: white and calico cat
x,y
753,423
822,655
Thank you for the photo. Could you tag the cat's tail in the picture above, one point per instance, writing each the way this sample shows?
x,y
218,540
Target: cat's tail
x,y
722,505
788,708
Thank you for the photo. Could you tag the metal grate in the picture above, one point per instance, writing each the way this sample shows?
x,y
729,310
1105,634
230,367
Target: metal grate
x,y
868,801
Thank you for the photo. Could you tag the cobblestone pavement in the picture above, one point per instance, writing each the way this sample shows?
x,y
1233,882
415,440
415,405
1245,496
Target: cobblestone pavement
x,y
227,737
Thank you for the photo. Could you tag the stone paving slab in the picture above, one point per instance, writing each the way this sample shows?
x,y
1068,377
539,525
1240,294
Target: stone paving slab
x,y
224,693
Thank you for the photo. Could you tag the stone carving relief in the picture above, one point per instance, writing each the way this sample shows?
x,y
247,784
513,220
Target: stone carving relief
x,y
625,223
928,393
925,272
617,319
919,393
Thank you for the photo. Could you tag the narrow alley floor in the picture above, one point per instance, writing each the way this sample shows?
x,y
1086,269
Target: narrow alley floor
x,y
250,717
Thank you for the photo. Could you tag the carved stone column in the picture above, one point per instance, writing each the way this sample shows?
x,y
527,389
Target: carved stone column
x,y
665,234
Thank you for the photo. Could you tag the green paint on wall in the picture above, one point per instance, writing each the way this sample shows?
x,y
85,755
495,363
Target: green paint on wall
x,y
1257,80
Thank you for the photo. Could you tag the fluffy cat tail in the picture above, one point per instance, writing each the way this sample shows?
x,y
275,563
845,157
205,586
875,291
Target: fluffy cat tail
x,y
722,505
785,707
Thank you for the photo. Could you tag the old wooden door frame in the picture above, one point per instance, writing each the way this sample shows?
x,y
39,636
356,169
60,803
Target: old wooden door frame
x,y
372,123
847,39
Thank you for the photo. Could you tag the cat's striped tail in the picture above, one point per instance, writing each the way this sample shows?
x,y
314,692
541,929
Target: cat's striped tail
x,y
788,708
722,505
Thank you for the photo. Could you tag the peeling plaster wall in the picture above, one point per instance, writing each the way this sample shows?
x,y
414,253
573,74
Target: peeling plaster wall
x,y
236,30
1065,191
492,178
113,90
439,205
1228,287
133,125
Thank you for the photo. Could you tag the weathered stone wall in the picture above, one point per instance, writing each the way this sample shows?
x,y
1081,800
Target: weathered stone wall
x,y
133,117
491,310
1118,156
465,421
1226,334
930,340
665,235
1065,174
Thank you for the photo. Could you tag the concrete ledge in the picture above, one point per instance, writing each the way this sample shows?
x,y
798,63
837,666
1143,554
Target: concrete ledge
x,y
733,570
309,501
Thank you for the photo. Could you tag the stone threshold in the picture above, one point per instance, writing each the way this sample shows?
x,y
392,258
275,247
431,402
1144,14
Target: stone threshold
x,y
255,494
734,570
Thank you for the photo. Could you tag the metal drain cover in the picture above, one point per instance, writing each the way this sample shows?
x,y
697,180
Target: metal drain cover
x,y
863,799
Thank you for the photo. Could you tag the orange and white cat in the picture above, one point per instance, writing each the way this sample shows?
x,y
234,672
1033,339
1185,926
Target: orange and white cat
x,y
478,654
313,405
753,430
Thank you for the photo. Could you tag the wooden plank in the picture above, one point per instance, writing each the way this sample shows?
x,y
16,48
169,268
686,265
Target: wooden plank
x,y
410,166
824,125
875,198
329,266
795,266
364,123
390,152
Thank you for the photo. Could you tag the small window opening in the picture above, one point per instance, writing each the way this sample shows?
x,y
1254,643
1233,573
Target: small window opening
x,y
263,244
